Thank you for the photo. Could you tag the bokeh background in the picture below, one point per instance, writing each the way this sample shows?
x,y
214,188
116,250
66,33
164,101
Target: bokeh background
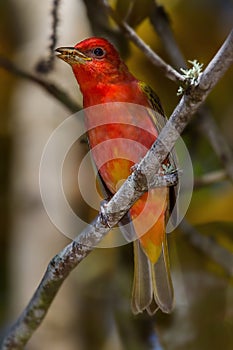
x,y
92,309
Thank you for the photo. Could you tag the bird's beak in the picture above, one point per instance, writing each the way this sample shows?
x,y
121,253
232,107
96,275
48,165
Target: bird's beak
x,y
71,55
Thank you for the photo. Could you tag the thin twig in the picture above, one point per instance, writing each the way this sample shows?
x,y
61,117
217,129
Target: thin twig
x,y
168,71
51,88
45,65
210,178
210,129
112,212
208,246
160,21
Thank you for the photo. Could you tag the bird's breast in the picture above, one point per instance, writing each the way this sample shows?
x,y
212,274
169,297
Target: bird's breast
x,y
119,136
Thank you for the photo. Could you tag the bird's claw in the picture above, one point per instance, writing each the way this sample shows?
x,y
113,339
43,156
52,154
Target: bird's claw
x,y
103,215
166,178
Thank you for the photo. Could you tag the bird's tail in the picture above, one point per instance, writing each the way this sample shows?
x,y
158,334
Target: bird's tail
x,y
152,284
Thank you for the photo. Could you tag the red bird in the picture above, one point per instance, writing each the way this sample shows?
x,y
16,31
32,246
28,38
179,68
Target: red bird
x,y
125,133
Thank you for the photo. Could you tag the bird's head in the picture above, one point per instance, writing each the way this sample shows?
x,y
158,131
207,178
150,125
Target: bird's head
x,y
95,60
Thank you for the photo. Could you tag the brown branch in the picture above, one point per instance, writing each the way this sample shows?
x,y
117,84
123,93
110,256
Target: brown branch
x,y
207,124
210,129
160,21
168,71
208,246
63,263
45,65
210,178
51,88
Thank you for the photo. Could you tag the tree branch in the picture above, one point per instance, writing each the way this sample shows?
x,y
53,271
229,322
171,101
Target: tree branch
x,y
160,21
51,88
168,71
45,65
63,263
209,128
210,178
207,124
209,246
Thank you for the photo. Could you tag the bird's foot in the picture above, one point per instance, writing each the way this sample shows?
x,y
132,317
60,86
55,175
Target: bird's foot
x,y
103,215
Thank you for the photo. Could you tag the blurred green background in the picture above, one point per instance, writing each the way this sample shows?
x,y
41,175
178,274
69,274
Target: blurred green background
x,y
93,308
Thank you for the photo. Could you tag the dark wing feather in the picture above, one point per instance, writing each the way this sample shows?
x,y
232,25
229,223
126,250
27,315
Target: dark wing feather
x,y
159,119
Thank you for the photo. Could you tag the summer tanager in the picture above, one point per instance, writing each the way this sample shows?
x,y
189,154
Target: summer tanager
x,y
104,78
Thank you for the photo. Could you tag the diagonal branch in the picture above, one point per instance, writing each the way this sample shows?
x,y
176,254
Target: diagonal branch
x,y
209,246
207,124
161,23
51,88
210,178
212,132
168,71
64,262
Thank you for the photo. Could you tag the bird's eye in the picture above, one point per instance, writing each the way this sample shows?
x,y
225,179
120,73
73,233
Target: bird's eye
x,y
99,52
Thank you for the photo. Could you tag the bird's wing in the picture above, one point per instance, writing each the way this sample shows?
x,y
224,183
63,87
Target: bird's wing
x,y
157,113
159,119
